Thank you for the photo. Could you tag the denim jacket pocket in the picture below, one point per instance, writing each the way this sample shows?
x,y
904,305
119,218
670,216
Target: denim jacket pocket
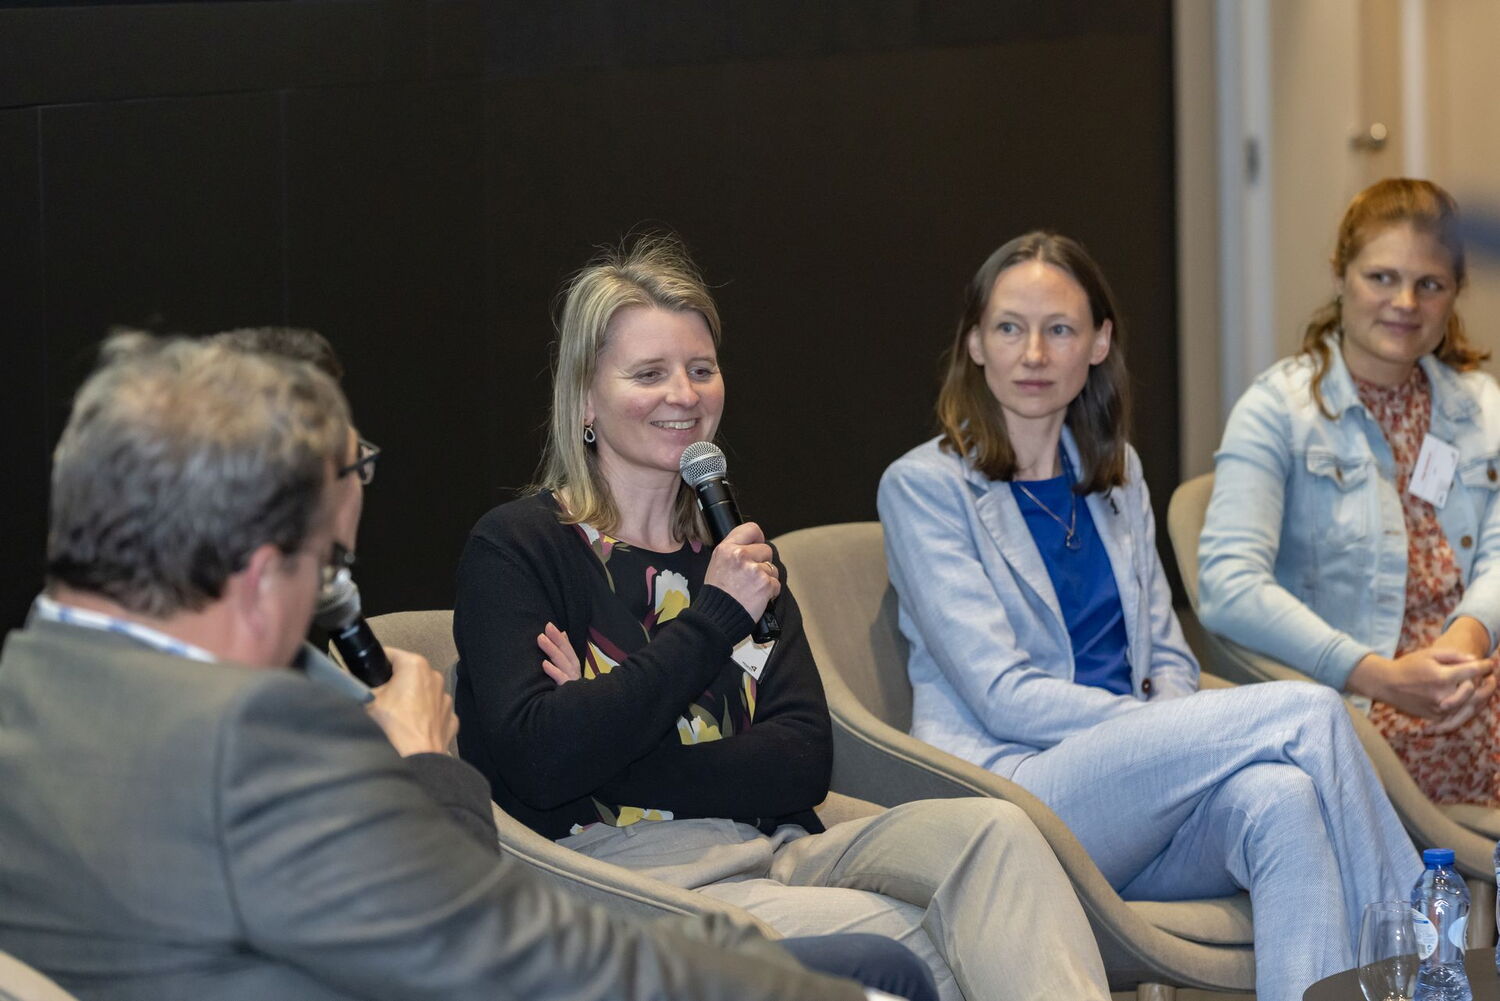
x,y
1340,497
1481,473
1480,477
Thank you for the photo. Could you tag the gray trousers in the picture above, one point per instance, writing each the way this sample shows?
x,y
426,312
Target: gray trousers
x,y
969,885
1263,788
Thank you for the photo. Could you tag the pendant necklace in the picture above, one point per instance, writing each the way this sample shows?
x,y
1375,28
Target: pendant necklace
x,y
1071,541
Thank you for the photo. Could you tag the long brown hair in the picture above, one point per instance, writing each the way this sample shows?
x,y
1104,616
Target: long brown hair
x,y
971,419
653,270
1425,207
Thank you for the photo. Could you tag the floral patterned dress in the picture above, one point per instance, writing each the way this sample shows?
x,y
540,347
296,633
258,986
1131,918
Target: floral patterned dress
x,y
1458,767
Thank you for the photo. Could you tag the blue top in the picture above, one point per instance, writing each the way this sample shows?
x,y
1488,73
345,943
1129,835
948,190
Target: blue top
x,y
1083,579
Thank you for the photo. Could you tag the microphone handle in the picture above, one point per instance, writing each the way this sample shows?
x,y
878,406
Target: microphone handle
x,y
723,516
362,652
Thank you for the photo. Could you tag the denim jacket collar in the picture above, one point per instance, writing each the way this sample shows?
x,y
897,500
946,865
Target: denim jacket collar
x,y
1448,397
1449,400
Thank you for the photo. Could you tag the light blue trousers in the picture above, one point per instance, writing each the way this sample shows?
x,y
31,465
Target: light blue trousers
x,y
1264,788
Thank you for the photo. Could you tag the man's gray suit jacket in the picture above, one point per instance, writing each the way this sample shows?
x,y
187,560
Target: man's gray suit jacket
x,y
171,829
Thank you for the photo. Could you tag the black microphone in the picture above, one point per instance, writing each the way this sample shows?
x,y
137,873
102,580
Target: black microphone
x,y
703,467
339,613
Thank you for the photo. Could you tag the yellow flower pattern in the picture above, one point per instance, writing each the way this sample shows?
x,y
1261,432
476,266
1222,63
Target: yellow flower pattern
x,y
671,595
599,663
667,593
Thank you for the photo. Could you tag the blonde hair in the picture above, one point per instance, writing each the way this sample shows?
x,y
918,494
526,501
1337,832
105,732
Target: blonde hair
x,y
1425,207
654,270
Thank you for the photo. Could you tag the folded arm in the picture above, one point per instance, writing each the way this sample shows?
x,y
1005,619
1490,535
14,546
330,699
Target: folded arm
x,y
780,765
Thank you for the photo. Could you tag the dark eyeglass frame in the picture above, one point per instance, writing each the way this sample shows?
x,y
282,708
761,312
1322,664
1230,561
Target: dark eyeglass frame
x,y
364,466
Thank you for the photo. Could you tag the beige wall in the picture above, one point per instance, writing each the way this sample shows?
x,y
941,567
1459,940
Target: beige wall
x,y
1335,70
1463,79
1316,108
1199,400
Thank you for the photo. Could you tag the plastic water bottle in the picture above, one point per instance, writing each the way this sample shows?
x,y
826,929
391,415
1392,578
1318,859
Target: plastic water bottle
x,y
1440,917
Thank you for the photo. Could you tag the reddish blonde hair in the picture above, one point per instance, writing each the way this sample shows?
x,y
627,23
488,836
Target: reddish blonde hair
x,y
1396,200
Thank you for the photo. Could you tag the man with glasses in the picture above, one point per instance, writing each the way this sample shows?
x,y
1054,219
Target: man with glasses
x,y
182,818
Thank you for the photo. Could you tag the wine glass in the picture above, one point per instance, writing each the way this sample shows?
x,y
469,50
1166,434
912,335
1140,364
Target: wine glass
x,y
1387,952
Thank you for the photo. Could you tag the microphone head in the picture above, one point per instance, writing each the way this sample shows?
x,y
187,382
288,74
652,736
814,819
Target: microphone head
x,y
338,603
702,461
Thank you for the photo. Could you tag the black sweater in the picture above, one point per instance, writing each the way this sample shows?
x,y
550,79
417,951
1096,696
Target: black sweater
x,y
557,756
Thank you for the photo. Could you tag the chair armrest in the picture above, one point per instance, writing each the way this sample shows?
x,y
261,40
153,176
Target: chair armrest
x,y
838,808
1207,680
22,982
1244,666
616,887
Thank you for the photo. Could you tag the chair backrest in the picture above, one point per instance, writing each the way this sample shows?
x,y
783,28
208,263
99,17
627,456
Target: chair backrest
x,y
849,610
19,982
1185,514
429,633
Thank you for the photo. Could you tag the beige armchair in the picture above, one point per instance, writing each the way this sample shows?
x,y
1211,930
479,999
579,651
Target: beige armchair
x,y
19,982
1468,829
430,633
849,610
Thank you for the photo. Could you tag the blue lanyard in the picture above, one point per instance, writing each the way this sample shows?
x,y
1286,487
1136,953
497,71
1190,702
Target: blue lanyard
x,y
52,611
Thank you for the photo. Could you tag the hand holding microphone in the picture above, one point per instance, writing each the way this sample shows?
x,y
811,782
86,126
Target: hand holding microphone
x,y
703,468
414,707
741,566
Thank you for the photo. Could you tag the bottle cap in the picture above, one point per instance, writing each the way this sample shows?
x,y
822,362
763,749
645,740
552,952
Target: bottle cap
x,y
1434,857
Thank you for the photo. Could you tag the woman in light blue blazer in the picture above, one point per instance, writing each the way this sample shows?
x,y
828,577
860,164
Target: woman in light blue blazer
x,y
1044,646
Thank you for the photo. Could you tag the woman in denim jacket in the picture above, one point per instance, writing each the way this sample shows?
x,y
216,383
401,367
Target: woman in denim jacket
x,y
1044,647
1353,532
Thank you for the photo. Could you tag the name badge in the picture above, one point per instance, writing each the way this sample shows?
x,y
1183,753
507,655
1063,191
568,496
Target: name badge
x,y
1433,474
752,656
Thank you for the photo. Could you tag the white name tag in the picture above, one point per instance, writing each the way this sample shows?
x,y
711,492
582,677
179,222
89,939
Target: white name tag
x,y
752,656
1433,473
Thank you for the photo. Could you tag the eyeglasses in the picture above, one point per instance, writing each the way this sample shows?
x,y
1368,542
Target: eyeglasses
x,y
365,464
340,565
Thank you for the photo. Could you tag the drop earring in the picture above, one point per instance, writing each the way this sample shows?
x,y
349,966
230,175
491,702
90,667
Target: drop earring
x,y
588,434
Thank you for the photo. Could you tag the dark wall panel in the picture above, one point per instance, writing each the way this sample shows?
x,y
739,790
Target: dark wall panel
x,y
82,53
163,213
24,444
387,258
417,178
841,203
